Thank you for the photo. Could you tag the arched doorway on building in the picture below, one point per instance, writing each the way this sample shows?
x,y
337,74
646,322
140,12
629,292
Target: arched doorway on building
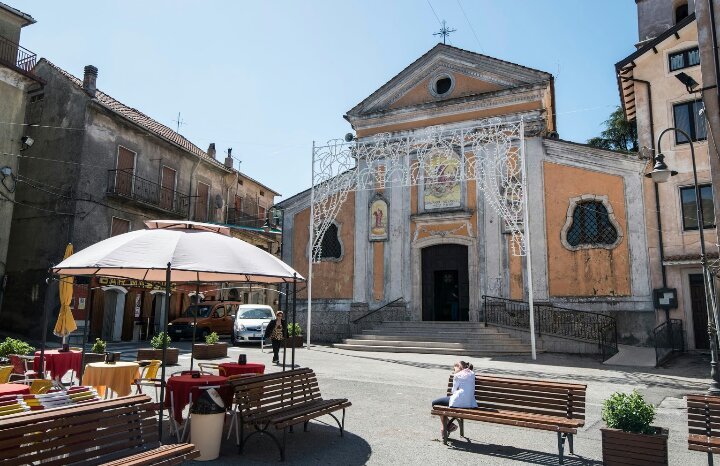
x,y
113,312
445,283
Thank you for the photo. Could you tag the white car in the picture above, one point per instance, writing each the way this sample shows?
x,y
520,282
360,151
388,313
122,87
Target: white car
x,y
250,322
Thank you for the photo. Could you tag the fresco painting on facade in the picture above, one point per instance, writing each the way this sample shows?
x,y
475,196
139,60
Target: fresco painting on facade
x,y
379,219
441,186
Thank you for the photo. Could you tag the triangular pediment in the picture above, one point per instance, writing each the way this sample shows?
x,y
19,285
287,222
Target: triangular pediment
x,y
465,73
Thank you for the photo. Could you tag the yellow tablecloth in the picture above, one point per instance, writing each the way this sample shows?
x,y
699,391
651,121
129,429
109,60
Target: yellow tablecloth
x,y
117,377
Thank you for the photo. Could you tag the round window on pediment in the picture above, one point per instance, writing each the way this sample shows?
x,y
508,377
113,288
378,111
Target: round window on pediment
x,y
442,85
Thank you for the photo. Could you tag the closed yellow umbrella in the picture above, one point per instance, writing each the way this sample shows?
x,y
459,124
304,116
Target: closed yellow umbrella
x,y
66,323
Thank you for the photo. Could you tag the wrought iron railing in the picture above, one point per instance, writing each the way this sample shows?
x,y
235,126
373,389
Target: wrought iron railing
x,y
554,320
669,340
246,219
124,183
15,56
376,310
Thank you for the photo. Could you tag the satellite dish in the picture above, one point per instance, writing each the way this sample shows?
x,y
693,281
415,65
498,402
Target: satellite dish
x,y
218,201
349,137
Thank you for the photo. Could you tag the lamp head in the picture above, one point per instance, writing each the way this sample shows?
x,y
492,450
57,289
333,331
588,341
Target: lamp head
x,y
688,81
661,173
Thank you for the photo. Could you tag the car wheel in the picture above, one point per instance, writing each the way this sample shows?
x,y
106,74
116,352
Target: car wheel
x,y
233,341
205,332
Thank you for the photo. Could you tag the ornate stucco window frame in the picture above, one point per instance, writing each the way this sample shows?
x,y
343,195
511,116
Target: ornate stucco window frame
x,y
435,78
574,202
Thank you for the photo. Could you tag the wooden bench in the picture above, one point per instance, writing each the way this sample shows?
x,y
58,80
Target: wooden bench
x,y
704,424
554,406
281,400
114,432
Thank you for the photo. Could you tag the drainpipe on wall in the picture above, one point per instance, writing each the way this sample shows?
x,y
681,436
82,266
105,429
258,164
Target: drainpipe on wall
x,y
227,202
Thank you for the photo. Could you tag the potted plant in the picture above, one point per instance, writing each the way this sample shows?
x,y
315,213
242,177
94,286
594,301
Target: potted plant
x,y
628,434
157,343
14,346
97,352
295,336
211,349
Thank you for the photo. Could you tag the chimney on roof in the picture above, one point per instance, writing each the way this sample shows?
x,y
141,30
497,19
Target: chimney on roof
x,y
90,80
228,159
211,150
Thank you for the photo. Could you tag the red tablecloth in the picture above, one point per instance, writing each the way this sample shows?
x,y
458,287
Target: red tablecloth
x,y
232,368
14,389
182,385
59,363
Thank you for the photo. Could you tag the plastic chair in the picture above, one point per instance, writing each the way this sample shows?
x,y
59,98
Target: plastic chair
x,y
149,377
5,373
40,386
207,367
22,367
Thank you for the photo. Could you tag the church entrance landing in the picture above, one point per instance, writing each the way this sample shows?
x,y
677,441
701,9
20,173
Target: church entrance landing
x,y
445,284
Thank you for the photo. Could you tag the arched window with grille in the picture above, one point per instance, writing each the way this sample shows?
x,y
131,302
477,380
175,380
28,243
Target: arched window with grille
x,y
330,247
591,223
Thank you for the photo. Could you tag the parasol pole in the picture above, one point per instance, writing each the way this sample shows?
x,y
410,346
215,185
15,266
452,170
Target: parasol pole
x,y
164,351
46,309
294,315
197,307
88,305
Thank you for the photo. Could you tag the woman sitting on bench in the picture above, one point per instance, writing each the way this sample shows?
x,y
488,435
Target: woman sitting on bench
x,y
463,393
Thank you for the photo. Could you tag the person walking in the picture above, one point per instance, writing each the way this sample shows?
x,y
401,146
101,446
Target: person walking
x,y
278,333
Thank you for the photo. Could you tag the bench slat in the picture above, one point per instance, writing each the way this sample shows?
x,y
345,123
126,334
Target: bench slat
x,y
562,397
159,455
500,413
537,402
513,422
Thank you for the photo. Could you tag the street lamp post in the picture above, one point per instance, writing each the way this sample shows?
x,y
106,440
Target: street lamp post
x,y
660,174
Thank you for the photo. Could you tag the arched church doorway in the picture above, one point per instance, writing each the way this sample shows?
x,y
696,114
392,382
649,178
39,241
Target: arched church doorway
x,y
445,283
157,317
113,313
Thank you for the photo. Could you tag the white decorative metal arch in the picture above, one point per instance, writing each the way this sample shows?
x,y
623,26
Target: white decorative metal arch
x,y
491,153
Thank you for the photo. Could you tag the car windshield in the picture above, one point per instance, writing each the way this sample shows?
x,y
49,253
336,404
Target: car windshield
x,y
202,311
254,314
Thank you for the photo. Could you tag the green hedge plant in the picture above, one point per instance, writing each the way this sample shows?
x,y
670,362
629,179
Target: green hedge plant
x,y
628,412
160,340
294,330
14,346
212,339
99,346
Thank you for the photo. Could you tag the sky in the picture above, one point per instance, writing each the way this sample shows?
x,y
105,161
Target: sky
x,y
268,78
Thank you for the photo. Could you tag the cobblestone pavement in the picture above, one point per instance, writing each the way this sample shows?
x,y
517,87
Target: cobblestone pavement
x,y
390,422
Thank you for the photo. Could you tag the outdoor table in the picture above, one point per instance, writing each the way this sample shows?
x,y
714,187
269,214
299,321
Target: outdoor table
x,y
181,386
14,389
118,377
58,363
232,368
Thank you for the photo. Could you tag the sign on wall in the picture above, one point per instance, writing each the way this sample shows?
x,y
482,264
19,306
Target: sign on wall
x,y
665,298
378,219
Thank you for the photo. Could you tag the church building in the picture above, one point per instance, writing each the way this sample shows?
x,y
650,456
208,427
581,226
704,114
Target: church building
x,y
439,254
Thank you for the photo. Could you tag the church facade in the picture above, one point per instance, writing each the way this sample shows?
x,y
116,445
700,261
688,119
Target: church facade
x,y
433,251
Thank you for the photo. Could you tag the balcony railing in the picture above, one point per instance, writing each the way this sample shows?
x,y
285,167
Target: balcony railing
x,y
123,183
245,219
11,54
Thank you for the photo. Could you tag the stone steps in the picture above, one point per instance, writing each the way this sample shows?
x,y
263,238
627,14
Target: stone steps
x,y
458,338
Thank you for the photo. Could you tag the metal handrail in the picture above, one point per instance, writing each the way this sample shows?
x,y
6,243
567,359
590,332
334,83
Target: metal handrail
x,y
374,311
669,338
16,56
554,320
126,184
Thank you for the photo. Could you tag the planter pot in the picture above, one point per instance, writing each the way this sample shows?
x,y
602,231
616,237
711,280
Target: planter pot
x,y
295,342
215,351
620,447
171,355
94,357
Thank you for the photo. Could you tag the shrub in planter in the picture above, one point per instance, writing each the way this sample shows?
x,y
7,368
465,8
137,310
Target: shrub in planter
x,y
629,435
97,352
14,346
212,349
295,334
157,343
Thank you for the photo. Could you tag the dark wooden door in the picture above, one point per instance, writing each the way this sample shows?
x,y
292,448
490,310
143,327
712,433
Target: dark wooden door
x,y
167,192
125,172
699,311
445,283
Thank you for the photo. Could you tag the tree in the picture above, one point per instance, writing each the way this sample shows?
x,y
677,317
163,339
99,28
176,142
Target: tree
x,y
619,134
